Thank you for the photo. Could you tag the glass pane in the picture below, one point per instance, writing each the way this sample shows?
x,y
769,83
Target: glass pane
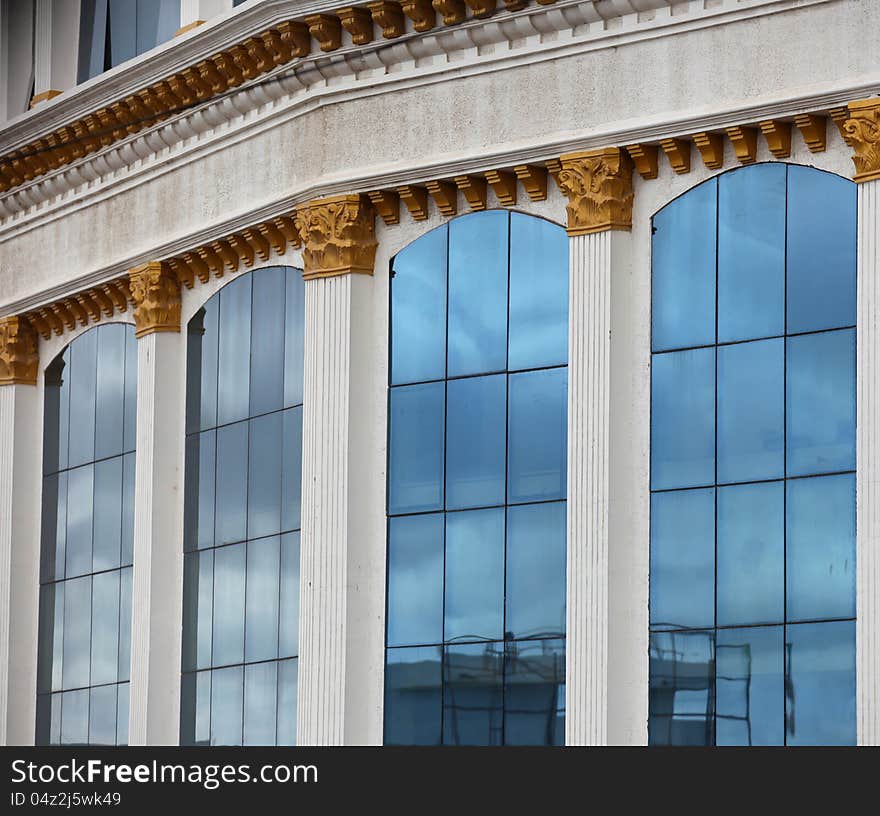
x,y
415,580
260,694
475,452
683,270
77,632
234,355
124,670
110,390
475,575
820,701
473,694
683,419
198,605
122,712
751,253
291,469
534,693
75,717
821,548
50,530
108,515
478,293
195,709
751,411
80,492
538,293
538,435
415,468
123,31
263,573
287,685
157,20
821,403
264,476
294,335
536,554
226,706
129,422
229,587
92,33
199,490
61,537
413,710
232,466
267,340
751,554
749,686
206,341
58,637
48,618
821,250
105,628
83,384
683,559
102,716
128,462
682,695
53,419
418,310
288,627
45,726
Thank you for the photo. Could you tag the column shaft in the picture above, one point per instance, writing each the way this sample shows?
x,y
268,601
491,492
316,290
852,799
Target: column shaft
x,y
20,446
157,581
868,467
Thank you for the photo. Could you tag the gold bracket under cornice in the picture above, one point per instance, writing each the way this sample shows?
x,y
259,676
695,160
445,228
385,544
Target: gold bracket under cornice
x,y
862,134
155,292
598,185
338,236
19,358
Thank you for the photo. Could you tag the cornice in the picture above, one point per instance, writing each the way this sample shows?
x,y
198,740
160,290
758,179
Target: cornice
x,y
197,73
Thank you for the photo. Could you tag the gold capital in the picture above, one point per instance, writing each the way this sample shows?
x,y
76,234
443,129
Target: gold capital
x,y
19,358
155,292
598,185
338,236
862,134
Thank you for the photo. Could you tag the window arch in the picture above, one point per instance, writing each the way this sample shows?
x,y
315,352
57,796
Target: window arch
x,y
242,512
87,540
752,602
477,484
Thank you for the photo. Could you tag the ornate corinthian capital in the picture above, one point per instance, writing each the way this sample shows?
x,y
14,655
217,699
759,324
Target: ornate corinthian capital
x,y
598,185
18,352
338,236
862,133
155,291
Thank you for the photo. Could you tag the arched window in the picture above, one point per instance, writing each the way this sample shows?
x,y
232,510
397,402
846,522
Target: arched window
x,y
476,484
752,602
87,540
242,512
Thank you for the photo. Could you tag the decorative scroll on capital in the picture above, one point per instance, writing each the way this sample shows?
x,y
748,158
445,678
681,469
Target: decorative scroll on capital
x,y
155,291
19,358
598,185
862,133
338,236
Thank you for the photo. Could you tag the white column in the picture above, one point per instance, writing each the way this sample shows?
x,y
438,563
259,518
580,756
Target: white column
x,y
157,581
591,265
20,468
868,467
341,658
56,40
195,12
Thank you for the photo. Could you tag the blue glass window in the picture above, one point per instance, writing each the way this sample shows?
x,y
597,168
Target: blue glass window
x,y
84,650
242,513
752,585
477,485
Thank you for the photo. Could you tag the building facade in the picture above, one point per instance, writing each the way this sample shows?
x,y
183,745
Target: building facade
x,y
439,372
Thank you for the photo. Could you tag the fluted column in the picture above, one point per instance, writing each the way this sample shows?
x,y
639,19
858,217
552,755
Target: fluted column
x,y
157,579
863,134
20,445
339,251
598,185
